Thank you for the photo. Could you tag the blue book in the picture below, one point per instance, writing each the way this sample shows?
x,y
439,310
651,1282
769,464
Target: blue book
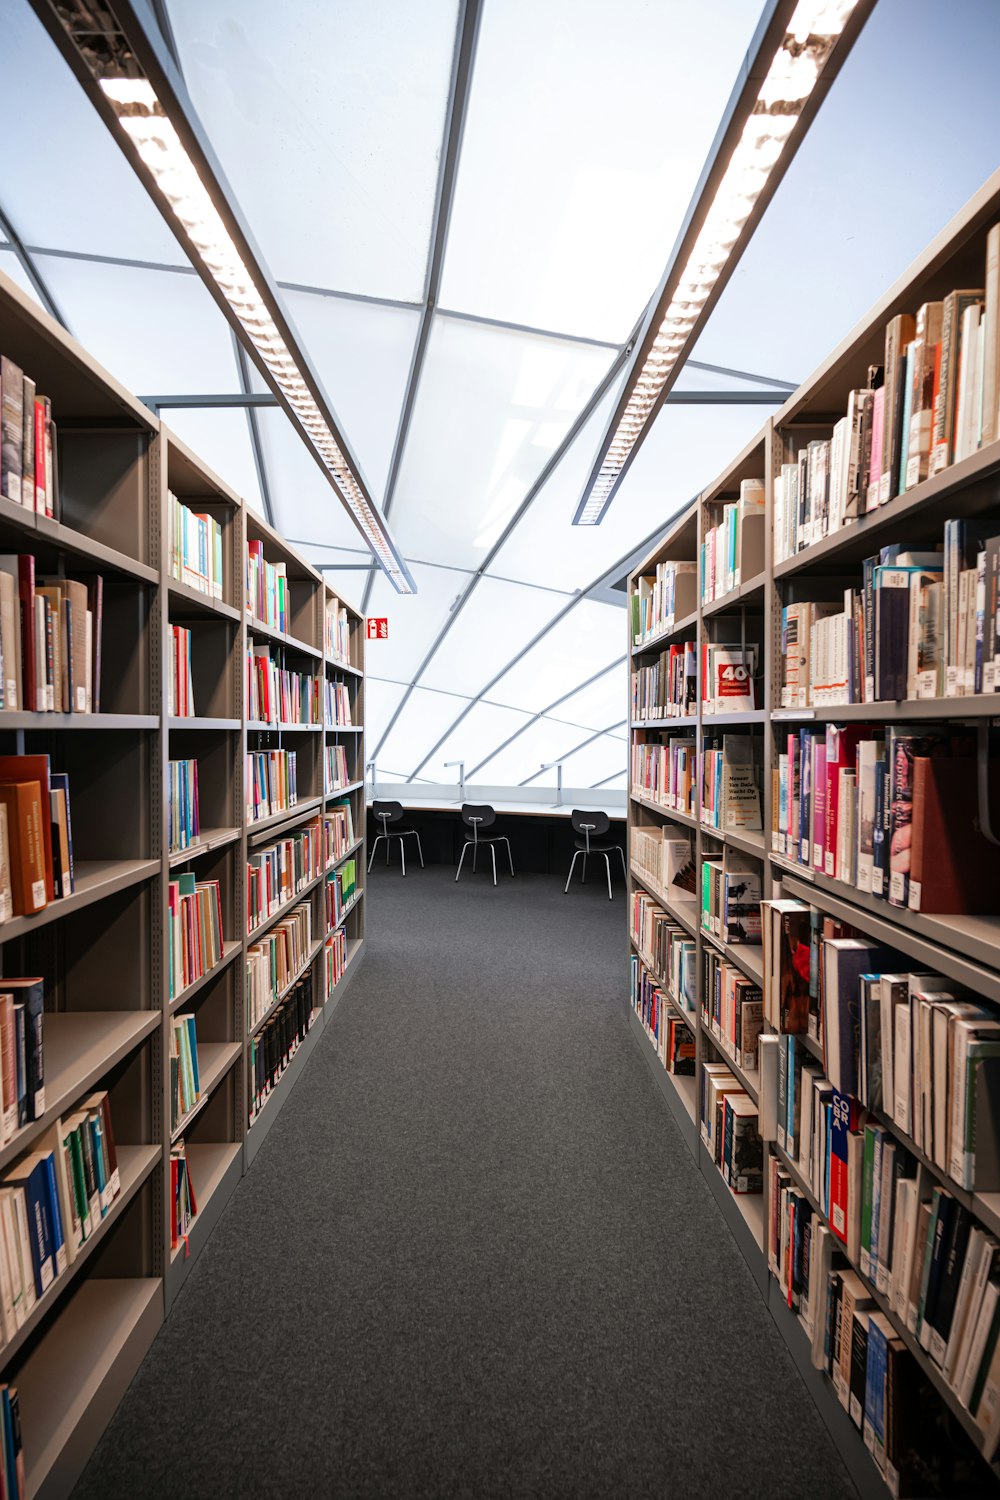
x,y
96,1129
58,1232
31,1175
9,1446
193,1044
791,1127
880,845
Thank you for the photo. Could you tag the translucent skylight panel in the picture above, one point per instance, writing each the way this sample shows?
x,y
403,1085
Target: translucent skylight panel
x,y
425,716
381,701
415,620
484,727
584,141
686,449
220,436
159,332
603,703
361,353
306,507
328,121
496,624
11,266
492,407
615,783
66,183
878,200
589,763
589,636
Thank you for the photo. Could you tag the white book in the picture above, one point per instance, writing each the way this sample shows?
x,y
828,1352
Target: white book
x,y
19,1205
8,1321
977,1345
901,1069
12,1248
975,1254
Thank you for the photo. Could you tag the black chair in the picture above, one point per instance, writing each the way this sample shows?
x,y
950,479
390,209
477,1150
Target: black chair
x,y
592,825
389,814
478,816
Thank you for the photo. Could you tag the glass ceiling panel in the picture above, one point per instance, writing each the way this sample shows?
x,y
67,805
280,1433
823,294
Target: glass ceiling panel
x,y
51,128
328,121
11,266
425,717
483,727
159,333
220,437
414,621
589,637
498,622
617,783
362,355
604,702
306,507
833,278
381,701
687,447
492,407
602,757
582,123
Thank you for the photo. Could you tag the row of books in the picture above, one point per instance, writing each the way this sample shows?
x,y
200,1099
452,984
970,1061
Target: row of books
x,y
664,771
665,946
267,598
341,885
194,548
29,473
895,813
335,958
730,1128
732,551
183,822
22,1055
337,705
51,1202
278,695
669,688
50,639
180,678
275,959
183,1203
278,873
36,835
662,597
271,783
337,774
337,632
730,795
338,831
732,1009
662,856
856,1341
185,1081
195,939
730,898
933,402
669,1034
277,1042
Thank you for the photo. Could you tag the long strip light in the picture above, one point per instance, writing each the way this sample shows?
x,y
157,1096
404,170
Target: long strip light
x,y
697,272
189,205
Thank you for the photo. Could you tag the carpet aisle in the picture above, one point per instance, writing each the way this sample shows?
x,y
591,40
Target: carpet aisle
x,y
473,1257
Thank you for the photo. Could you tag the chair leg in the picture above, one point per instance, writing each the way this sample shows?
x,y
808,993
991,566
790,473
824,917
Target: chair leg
x,y
607,861
402,855
493,851
475,851
583,877
388,848
378,836
572,867
510,857
621,851
420,851
461,861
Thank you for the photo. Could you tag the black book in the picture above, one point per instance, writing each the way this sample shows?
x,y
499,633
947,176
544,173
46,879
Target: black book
x,y
859,1367
942,1230
953,1261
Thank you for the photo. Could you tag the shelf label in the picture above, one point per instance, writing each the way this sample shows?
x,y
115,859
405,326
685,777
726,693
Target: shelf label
x,y
378,628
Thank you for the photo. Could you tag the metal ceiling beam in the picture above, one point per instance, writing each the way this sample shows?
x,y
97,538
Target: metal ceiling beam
x,y
543,713
463,61
582,746
32,272
594,785
788,386
547,471
241,399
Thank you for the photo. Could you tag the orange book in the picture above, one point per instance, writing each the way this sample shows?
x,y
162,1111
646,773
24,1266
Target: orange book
x,y
26,832
35,768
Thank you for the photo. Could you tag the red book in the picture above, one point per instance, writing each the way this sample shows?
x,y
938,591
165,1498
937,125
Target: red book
x,y
41,470
34,768
841,755
843,1127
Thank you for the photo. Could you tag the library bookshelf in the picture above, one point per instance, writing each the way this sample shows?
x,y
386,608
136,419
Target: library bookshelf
x,y
104,951
965,949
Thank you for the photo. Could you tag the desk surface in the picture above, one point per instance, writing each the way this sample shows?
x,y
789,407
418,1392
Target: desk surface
x,y
515,809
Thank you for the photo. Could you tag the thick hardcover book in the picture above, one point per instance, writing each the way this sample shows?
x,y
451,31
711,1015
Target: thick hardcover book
x,y
954,868
843,1125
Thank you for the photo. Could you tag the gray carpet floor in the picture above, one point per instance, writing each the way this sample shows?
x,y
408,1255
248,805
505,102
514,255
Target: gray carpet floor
x,y
474,1257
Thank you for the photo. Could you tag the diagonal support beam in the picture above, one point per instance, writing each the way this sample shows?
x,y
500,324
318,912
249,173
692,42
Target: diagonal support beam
x,y
582,746
543,713
31,270
463,61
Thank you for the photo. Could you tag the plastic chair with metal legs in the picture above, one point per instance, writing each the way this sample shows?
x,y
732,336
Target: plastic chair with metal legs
x,y
389,814
591,823
478,816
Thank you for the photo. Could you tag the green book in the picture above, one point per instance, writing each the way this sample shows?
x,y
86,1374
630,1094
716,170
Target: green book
x,y
866,1202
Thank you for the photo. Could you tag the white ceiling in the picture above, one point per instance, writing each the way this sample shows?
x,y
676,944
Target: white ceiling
x,y
585,131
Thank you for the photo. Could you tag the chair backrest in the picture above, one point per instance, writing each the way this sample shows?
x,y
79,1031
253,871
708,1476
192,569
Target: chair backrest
x,y
387,812
477,816
590,822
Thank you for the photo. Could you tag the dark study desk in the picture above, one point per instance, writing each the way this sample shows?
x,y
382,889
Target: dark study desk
x,y
541,836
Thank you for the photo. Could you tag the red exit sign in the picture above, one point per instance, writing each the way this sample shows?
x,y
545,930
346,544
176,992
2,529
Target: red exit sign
x,y
378,628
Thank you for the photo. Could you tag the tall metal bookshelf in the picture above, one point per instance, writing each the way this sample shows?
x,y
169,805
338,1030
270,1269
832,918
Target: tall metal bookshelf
x,y
965,949
103,950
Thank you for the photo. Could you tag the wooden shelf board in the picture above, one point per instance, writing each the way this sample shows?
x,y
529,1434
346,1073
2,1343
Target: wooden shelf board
x,y
184,594
974,706
230,948
46,721
334,664
258,628
343,791
208,840
674,721
667,812
197,721
281,820
70,1385
95,879
214,1061
80,1048
344,728
265,726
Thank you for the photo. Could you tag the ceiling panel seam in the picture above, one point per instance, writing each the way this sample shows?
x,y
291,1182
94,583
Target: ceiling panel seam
x,y
576,748
31,270
544,712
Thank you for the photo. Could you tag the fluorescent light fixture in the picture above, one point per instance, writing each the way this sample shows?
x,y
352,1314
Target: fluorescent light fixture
x,y
750,154
114,61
